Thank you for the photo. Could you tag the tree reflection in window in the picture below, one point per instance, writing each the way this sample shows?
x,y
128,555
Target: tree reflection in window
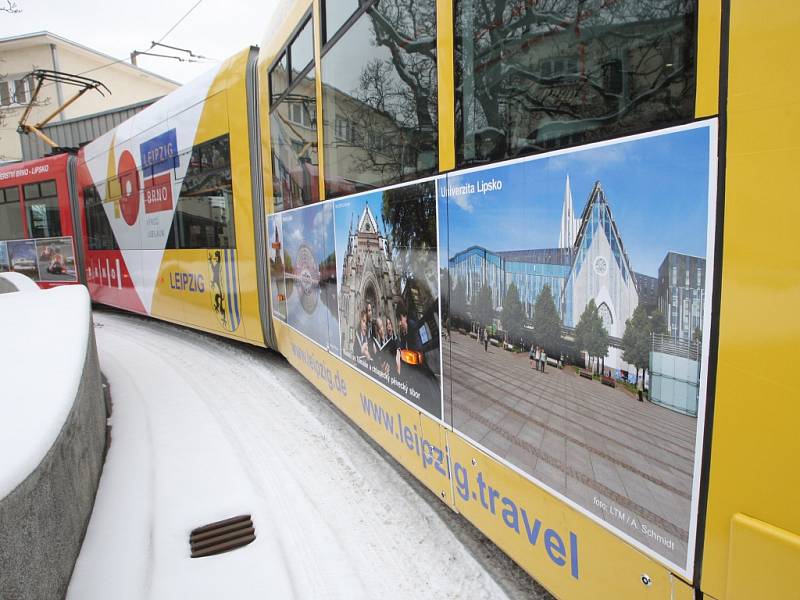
x,y
380,98
534,75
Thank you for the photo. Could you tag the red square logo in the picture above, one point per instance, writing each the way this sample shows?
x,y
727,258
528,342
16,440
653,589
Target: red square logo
x,y
158,194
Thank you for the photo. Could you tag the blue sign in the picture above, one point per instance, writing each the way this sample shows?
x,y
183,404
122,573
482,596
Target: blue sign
x,y
160,153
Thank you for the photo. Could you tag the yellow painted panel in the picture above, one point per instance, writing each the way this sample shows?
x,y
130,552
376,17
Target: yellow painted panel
x,y
757,405
435,456
168,297
244,221
708,52
681,590
214,118
188,292
445,64
763,561
571,555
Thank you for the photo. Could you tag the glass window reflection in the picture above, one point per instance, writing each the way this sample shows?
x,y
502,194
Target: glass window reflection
x,y
279,77
302,49
536,76
293,138
336,14
379,98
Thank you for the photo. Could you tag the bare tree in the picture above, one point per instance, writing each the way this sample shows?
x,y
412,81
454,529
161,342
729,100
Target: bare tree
x,y
533,71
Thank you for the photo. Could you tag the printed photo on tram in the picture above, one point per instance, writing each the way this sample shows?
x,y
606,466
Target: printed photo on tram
x,y
310,273
4,264
576,303
56,259
277,266
388,289
22,256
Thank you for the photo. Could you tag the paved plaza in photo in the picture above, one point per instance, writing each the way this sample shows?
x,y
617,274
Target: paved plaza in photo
x,y
626,461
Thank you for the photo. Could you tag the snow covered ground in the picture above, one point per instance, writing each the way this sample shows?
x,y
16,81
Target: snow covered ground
x,y
205,429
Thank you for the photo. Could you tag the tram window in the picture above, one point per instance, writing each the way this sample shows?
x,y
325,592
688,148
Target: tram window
x,y
10,215
531,80
336,14
293,138
301,50
98,230
204,213
279,77
380,88
41,207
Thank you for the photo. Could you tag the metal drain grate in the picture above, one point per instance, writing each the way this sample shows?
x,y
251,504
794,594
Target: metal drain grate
x,y
222,536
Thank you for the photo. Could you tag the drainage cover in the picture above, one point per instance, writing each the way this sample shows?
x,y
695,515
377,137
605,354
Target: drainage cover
x,y
222,536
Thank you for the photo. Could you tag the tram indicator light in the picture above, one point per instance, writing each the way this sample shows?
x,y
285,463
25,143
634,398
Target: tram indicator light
x,y
411,357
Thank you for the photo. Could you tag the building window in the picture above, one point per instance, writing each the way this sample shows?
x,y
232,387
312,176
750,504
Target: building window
x,y
99,235
15,91
699,277
10,215
300,114
204,212
530,78
42,210
380,97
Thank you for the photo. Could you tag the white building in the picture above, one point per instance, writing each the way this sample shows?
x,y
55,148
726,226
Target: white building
x,y
19,55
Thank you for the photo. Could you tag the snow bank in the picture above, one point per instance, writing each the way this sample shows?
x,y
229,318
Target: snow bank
x,y
43,340
17,282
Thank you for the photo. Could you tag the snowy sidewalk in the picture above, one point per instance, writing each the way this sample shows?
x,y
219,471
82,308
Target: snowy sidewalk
x,y
203,430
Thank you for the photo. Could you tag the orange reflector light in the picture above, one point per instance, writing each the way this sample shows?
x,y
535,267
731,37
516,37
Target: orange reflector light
x,y
281,297
411,357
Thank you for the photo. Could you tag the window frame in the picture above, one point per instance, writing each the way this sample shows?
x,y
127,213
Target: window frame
x,y
285,50
575,139
41,198
176,233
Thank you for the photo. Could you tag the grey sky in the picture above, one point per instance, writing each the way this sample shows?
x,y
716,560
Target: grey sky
x,y
216,28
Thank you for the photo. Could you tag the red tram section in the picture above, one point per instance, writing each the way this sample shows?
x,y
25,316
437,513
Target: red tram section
x,y
37,232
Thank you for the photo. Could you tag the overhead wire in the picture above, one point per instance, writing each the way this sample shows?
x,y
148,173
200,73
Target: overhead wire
x,y
152,45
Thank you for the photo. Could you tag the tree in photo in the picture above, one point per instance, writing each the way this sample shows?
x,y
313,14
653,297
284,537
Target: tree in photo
x,y
458,301
590,334
409,212
636,340
484,312
546,321
658,324
513,313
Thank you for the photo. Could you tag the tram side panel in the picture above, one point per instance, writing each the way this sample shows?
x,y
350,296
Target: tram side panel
x,y
166,218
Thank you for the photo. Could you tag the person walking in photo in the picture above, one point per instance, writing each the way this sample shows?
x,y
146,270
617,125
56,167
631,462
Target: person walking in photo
x,y
379,344
536,356
531,355
543,359
486,342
